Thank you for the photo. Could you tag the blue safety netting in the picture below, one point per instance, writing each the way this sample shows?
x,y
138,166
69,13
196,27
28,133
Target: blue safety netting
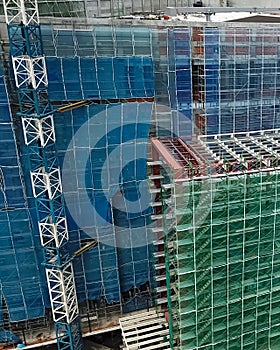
x,y
180,81
20,276
103,152
248,79
234,77
120,261
101,41
7,336
1,301
99,78
211,52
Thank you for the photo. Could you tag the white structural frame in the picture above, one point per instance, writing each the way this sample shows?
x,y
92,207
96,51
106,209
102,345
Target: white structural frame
x,y
35,129
46,183
17,11
248,142
62,294
29,70
55,234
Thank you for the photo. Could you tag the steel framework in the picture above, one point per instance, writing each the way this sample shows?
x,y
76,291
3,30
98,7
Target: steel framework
x,y
30,75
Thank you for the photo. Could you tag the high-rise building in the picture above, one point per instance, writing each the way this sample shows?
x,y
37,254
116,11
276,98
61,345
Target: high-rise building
x,y
112,85
219,197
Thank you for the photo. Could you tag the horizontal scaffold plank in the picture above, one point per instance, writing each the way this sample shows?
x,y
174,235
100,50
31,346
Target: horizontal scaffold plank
x,y
140,315
156,335
157,328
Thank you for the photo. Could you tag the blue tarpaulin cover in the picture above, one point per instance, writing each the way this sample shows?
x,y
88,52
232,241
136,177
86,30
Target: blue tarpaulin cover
x,y
7,336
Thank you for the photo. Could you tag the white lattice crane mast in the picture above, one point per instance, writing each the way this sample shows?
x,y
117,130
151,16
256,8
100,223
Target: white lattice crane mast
x,y
30,75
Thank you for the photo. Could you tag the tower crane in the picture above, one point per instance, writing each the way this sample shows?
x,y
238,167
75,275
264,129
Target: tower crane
x,y
36,113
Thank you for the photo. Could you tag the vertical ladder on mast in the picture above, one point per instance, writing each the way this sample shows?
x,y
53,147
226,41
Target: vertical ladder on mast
x,y
29,68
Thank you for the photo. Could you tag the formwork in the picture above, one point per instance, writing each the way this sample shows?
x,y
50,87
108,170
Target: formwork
x,y
221,241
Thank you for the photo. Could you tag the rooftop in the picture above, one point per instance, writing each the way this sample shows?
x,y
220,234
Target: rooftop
x,y
215,155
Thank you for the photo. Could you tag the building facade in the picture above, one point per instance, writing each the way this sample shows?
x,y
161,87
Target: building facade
x,y
220,215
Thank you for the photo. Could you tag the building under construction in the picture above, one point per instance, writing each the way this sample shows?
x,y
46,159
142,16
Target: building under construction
x,y
219,204
104,187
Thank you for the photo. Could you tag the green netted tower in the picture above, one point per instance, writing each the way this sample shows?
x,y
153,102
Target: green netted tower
x,y
222,240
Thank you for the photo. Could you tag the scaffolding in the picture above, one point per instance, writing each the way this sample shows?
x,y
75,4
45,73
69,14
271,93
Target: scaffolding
x,y
235,78
169,80
221,242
